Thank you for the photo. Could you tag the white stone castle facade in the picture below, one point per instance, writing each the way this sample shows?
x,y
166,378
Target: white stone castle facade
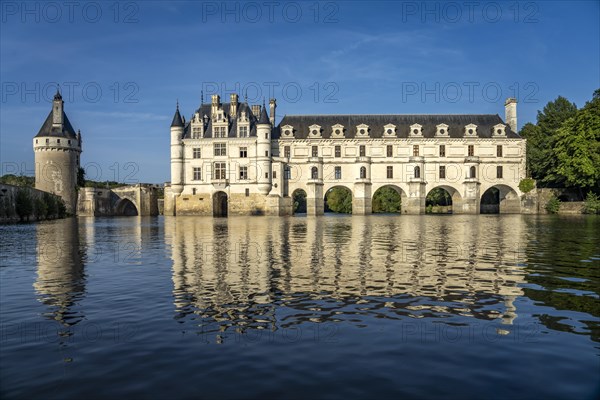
x,y
230,158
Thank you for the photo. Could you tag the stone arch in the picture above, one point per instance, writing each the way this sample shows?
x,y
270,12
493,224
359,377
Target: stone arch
x,y
396,188
328,191
500,199
126,207
299,201
452,205
220,204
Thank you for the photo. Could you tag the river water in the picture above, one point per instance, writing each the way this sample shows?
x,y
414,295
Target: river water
x,y
382,306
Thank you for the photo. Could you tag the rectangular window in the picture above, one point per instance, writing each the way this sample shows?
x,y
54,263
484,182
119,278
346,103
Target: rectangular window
x,y
315,151
286,152
243,173
442,172
196,152
362,151
47,141
194,191
287,173
471,150
196,132
274,174
220,131
220,171
416,150
390,150
243,131
338,172
247,192
57,140
220,149
266,175
499,150
338,151
442,150
390,172
243,152
197,173
499,172
267,153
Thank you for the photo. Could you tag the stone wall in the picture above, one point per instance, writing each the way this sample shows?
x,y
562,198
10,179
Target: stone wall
x,y
8,203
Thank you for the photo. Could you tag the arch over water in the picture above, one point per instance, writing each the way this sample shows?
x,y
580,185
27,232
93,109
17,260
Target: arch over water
x,y
443,199
387,199
299,201
125,207
499,199
338,199
220,204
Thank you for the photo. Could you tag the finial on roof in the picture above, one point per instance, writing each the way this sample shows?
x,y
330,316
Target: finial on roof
x,y
57,96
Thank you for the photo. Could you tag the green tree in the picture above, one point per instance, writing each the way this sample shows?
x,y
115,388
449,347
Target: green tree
x,y
24,204
438,197
51,202
339,200
81,177
386,200
41,208
577,148
541,139
299,200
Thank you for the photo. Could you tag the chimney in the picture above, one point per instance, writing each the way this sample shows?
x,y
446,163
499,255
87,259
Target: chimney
x,y
233,105
510,113
256,110
272,107
57,111
216,100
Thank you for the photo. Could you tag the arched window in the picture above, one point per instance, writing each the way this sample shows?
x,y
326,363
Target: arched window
x,y
363,173
472,172
417,172
314,173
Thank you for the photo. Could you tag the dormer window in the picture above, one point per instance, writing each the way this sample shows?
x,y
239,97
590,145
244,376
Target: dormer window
x,y
196,131
362,130
389,130
415,130
499,130
243,131
337,131
287,131
470,130
314,131
441,130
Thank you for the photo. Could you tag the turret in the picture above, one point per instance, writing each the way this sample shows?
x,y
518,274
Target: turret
x,y
263,149
57,148
510,113
177,126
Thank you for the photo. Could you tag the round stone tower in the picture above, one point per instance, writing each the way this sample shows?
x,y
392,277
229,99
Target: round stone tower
x,y
263,150
57,148
177,153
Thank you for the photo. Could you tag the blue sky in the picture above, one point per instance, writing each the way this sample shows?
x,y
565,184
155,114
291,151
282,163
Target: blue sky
x,y
123,66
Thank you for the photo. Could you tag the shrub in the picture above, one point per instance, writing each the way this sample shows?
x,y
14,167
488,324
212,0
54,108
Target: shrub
x,y
553,205
592,204
41,208
62,209
527,185
51,202
24,205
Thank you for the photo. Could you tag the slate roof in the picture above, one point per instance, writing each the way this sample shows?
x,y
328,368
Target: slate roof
x,y
456,123
47,129
264,118
205,109
177,121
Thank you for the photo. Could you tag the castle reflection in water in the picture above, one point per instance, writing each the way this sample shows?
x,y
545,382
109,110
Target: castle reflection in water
x,y
266,273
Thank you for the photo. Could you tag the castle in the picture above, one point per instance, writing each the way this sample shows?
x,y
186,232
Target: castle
x,y
231,158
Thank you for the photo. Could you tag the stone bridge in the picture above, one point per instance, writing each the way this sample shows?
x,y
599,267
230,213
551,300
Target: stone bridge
x,y
140,199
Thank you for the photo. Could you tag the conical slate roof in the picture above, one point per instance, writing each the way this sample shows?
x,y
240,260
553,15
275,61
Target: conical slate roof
x,y
67,131
177,120
264,118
